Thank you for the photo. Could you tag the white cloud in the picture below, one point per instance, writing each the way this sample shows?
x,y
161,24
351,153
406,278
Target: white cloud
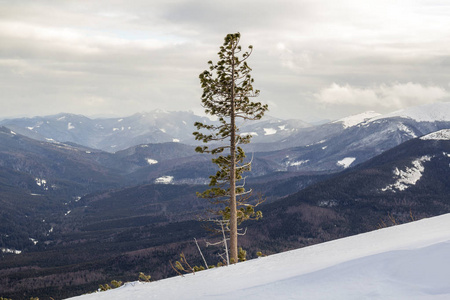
x,y
396,95
346,94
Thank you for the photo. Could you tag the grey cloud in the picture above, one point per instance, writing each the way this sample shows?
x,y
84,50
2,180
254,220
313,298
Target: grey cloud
x,y
122,57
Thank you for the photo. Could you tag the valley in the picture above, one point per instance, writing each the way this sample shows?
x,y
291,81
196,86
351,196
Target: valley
x,y
84,207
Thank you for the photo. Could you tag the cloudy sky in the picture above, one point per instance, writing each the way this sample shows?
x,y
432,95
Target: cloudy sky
x,y
312,59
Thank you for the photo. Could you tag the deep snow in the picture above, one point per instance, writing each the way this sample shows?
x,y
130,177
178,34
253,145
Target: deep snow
x,y
410,261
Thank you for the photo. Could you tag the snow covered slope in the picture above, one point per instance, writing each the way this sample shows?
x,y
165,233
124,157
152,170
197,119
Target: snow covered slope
x,y
434,112
439,111
357,119
441,135
410,261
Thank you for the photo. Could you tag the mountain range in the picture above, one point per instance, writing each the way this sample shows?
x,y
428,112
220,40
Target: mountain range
x,y
115,134
71,207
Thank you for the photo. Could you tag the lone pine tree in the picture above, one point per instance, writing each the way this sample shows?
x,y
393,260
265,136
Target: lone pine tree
x,y
227,90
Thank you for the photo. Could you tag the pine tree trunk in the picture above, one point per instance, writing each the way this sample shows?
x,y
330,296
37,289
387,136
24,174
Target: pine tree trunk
x,y
233,209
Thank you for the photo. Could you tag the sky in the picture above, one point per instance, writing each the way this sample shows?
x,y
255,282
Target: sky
x,y
312,59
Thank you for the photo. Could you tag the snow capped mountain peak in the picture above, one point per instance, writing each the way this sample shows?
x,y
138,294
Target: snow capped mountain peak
x,y
443,134
357,119
433,112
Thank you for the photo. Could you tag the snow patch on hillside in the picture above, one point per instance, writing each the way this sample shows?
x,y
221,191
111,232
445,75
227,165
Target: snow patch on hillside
x,y
407,130
298,163
269,131
441,135
346,162
70,126
316,143
151,161
253,133
409,176
164,179
357,119
328,203
42,183
12,251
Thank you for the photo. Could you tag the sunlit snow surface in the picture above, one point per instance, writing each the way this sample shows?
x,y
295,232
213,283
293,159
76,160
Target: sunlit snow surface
x,y
409,176
443,135
410,261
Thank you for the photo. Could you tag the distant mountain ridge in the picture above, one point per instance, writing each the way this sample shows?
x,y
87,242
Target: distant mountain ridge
x,y
115,134
408,182
115,233
268,134
350,141
112,134
330,181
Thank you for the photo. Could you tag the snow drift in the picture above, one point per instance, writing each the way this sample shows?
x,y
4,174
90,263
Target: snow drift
x,y
410,261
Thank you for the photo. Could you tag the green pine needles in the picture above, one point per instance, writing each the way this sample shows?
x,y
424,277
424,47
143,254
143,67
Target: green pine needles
x,y
227,92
